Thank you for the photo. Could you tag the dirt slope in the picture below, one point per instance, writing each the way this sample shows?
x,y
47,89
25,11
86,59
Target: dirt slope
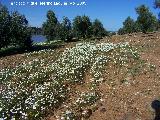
x,y
130,99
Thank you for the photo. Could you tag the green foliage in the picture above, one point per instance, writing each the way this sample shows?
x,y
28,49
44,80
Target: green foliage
x,y
77,26
121,31
65,31
98,29
21,34
157,3
129,26
36,30
53,29
146,20
4,26
49,27
82,26
86,26
14,29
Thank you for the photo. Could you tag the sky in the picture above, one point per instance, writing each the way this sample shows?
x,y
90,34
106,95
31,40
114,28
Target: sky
x,y
111,13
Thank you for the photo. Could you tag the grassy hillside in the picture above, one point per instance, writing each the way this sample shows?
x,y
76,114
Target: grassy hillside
x,y
115,78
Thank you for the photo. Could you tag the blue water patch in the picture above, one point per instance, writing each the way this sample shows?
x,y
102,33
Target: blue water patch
x,y
38,38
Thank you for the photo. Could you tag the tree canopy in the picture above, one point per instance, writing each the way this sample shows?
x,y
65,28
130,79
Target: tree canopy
x,y
4,26
49,27
146,22
14,29
98,29
81,27
129,26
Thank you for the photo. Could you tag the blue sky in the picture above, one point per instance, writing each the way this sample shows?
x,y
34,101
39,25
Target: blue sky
x,y
112,13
